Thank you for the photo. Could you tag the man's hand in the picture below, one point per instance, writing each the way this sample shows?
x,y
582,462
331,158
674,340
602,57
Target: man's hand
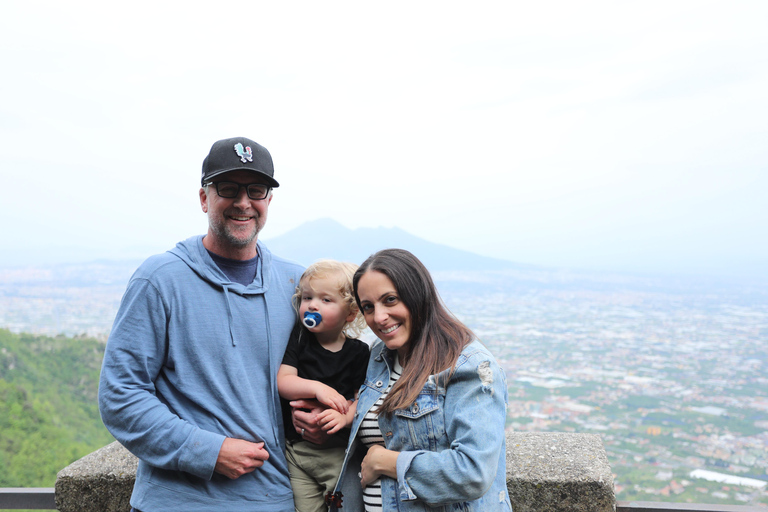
x,y
305,422
238,457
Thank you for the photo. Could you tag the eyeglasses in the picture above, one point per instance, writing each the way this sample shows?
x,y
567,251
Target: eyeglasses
x,y
229,189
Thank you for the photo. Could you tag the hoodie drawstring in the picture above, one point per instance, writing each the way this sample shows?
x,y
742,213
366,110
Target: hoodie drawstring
x,y
230,317
273,378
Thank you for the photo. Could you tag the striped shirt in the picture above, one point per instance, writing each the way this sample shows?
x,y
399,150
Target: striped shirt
x,y
370,434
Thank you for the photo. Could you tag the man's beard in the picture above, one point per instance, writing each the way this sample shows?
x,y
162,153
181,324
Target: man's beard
x,y
219,228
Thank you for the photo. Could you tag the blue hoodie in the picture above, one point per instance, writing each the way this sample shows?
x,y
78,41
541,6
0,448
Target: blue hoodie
x,y
192,359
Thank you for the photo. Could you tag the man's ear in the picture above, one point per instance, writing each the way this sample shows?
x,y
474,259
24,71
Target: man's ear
x,y
203,200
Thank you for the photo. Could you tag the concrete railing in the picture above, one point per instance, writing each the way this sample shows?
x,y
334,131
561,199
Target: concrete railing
x,y
546,472
99,482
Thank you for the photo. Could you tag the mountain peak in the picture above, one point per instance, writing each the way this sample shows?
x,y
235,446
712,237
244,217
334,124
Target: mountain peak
x,y
327,238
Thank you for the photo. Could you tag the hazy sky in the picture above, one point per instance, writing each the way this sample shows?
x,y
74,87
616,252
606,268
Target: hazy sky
x,y
622,135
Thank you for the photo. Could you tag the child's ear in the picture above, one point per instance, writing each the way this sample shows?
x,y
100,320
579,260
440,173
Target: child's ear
x,y
351,316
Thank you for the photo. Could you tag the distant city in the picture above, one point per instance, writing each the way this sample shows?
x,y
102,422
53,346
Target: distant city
x,y
676,386
674,378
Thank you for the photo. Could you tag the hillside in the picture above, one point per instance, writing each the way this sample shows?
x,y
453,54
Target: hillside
x,y
48,411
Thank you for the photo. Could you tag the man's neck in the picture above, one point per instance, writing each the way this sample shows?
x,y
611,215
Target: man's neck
x,y
227,251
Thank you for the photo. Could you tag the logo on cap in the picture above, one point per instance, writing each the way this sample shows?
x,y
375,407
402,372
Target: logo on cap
x,y
245,154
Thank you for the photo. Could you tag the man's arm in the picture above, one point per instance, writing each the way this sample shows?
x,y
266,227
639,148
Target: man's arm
x,y
128,402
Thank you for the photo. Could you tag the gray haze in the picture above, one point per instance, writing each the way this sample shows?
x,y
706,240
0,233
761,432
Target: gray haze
x,y
623,136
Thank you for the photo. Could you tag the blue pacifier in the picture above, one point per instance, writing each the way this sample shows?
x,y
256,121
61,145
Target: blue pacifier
x,y
312,319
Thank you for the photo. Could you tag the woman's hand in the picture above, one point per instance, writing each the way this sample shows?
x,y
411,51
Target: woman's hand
x,y
377,462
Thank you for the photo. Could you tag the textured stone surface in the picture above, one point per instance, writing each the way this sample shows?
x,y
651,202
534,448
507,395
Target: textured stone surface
x,y
549,472
546,472
99,482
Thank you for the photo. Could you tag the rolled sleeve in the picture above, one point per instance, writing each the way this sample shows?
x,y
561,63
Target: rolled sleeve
x,y
404,460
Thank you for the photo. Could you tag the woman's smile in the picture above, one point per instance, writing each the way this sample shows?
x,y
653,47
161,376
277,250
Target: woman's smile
x,y
390,329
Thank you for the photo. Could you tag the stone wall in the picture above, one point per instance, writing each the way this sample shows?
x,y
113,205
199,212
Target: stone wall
x,y
546,472
99,482
557,472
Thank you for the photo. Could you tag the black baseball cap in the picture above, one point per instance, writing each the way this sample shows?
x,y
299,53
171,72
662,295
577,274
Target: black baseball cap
x,y
238,153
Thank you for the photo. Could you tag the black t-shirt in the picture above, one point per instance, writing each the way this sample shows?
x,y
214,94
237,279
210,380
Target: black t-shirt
x,y
344,370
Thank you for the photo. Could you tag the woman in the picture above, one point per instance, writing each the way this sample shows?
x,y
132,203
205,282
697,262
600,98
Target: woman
x,y
433,406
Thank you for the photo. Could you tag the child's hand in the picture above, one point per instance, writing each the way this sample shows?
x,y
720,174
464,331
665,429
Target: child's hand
x,y
330,397
331,421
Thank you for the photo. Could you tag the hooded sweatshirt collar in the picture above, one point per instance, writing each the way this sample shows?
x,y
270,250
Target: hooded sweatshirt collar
x,y
192,252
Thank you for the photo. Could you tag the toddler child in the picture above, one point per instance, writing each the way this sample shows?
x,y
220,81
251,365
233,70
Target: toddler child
x,y
324,362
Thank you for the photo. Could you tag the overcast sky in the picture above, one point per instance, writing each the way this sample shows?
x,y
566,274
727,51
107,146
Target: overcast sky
x,y
617,135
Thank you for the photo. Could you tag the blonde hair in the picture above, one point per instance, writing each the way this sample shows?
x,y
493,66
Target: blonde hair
x,y
343,272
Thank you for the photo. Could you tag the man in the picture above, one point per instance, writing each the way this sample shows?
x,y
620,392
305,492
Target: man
x,y
188,382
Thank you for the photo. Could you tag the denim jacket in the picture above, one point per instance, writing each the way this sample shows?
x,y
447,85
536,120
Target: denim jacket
x,y
451,440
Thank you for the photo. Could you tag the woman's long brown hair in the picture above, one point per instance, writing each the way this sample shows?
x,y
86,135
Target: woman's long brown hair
x,y
437,337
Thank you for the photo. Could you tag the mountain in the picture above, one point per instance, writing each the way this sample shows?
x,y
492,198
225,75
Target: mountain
x,y
326,238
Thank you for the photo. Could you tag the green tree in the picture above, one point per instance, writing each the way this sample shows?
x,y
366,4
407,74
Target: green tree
x,y
48,411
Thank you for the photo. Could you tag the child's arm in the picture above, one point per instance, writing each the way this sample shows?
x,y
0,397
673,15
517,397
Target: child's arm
x,y
332,421
292,387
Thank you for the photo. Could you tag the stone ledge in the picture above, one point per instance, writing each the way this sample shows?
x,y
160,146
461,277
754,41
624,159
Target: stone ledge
x,y
546,472
101,481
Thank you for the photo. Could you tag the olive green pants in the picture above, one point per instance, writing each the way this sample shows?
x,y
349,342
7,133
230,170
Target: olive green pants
x,y
314,470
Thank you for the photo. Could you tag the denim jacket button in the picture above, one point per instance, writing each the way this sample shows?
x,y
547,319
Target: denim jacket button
x,y
415,408
379,383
